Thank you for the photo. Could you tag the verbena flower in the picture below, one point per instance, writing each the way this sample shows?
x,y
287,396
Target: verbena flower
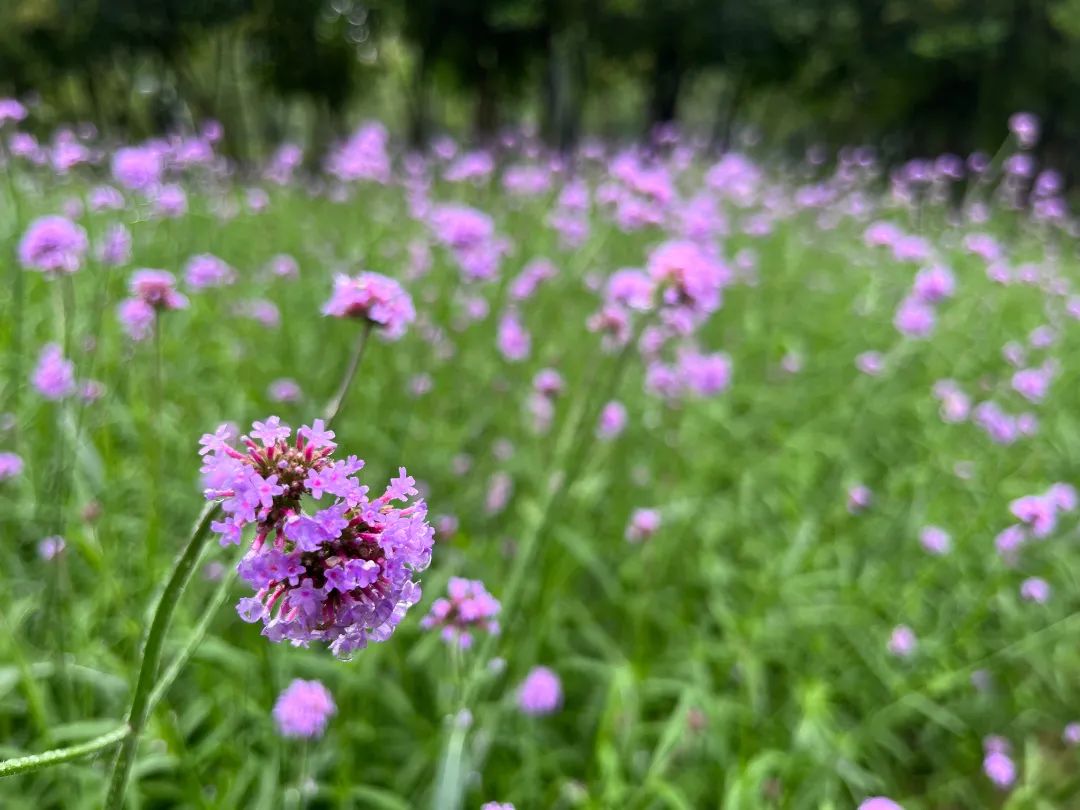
x,y
644,523
879,803
138,167
207,270
50,547
466,609
304,709
373,297
612,421
11,465
152,292
902,641
540,693
53,245
340,573
54,375
935,540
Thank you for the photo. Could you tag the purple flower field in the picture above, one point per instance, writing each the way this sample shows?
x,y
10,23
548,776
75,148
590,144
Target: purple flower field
x,y
644,476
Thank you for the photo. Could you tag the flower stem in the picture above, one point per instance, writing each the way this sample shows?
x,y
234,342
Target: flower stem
x,y
33,762
334,406
180,661
151,654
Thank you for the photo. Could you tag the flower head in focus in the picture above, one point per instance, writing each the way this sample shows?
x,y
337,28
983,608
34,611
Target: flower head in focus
x,y
338,572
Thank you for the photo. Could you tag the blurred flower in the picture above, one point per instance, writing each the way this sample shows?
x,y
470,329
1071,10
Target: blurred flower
x,y
879,803
206,270
612,421
935,540
54,375
1035,589
514,342
859,498
902,641
50,547
304,709
11,465
284,390
644,523
375,298
53,245
540,693
466,609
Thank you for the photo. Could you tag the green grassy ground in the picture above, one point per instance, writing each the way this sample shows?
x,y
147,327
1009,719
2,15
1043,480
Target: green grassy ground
x,y
738,659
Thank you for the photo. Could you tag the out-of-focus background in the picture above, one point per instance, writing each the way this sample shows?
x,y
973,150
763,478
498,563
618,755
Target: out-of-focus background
x,y
910,76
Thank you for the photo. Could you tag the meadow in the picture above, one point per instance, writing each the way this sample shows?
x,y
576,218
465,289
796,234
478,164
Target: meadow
x,y
731,482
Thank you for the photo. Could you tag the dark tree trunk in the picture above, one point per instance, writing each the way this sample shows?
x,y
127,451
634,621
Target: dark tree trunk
x,y
666,82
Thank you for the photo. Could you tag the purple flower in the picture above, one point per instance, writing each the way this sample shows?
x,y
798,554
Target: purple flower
x,y
914,318
1035,589
157,288
612,421
902,641
644,523
1025,126
54,375
11,465
999,769
1071,734
934,283
303,709
540,693
497,806
859,498
375,298
53,245
116,249
879,803
467,608
514,342
136,317
294,560
284,390
138,167
704,374
50,547
870,363
935,540
169,200
11,110
207,270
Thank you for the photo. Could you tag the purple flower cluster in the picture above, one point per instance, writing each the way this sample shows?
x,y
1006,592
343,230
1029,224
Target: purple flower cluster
x,y
340,573
375,298
467,608
151,292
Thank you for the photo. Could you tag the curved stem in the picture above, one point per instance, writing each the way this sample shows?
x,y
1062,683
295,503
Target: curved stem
x,y
10,767
176,667
334,406
151,655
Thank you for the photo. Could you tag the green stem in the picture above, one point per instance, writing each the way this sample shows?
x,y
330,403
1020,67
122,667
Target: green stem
x,y
176,667
334,406
151,655
33,762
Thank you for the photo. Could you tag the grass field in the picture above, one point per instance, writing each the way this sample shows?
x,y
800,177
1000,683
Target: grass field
x,y
786,634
